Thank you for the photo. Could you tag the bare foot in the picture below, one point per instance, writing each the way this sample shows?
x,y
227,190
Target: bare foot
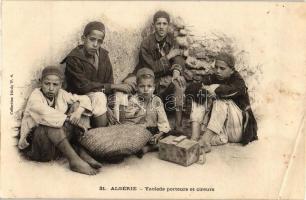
x,y
139,154
80,166
202,157
95,164
207,148
90,160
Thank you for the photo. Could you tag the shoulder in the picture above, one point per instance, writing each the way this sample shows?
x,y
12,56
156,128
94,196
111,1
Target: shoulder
x,y
157,102
103,52
63,92
36,95
148,40
170,37
36,92
77,52
236,77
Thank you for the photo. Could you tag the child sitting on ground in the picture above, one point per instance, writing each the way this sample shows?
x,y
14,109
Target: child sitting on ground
x,y
146,108
89,72
47,129
228,107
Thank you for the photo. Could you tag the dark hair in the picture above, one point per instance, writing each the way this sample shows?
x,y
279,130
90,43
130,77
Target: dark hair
x,y
161,14
95,25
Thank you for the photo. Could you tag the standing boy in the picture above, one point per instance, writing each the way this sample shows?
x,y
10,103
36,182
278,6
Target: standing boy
x,y
231,117
46,128
89,72
160,53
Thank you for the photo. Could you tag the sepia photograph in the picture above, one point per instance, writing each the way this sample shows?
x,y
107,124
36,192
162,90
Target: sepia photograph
x,y
153,100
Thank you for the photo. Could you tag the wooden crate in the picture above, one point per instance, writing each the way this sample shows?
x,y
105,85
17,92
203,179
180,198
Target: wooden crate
x,y
179,150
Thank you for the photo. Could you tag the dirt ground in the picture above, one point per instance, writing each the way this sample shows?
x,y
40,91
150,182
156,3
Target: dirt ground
x,y
255,171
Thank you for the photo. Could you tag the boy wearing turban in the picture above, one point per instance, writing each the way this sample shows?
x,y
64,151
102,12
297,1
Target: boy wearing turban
x,y
47,127
230,117
89,72
160,52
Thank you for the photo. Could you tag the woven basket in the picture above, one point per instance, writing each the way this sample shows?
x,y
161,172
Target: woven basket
x,y
119,140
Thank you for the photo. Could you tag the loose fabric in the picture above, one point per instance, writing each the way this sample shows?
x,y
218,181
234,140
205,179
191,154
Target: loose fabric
x,y
38,111
226,121
98,103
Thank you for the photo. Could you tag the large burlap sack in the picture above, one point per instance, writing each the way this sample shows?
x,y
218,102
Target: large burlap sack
x,y
118,140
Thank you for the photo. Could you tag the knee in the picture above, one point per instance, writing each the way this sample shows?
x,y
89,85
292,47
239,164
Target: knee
x,y
46,133
98,102
98,98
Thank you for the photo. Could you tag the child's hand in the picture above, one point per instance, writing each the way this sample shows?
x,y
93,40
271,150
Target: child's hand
x,y
23,143
131,81
174,52
122,88
75,117
178,80
156,138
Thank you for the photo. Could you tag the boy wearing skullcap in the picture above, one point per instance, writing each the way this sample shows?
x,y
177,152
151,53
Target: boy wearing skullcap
x,y
47,126
89,72
229,118
160,52
146,108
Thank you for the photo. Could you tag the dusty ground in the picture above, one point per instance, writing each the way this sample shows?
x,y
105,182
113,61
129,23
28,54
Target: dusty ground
x,y
254,171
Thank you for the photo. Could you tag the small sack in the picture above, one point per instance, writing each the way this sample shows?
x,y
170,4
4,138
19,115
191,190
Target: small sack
x,y
118,140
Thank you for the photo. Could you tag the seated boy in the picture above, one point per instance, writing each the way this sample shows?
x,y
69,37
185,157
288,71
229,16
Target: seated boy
x,y
89,72
46,128
146,108
231,118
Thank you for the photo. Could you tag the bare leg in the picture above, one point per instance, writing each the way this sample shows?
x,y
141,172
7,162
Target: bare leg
x,y
196,129
57,137
90,160
179,91
178,119
100,121
205,141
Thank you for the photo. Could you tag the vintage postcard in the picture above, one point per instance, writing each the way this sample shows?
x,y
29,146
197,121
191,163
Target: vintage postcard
x,y
153,100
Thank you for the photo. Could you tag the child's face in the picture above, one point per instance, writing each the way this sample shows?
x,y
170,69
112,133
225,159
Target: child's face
x,y
222,70
161,26
146,87
50,86
93,41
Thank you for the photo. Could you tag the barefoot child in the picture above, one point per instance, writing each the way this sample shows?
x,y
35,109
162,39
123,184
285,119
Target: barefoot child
x,y
89,72
146,108
46,129
231,118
